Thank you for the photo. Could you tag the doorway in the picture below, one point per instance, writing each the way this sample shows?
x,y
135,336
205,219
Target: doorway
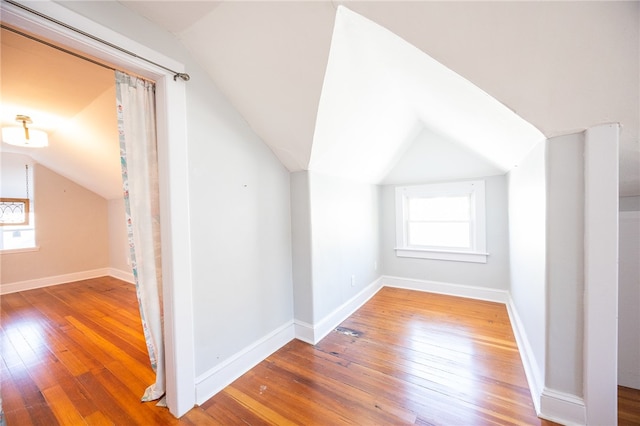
x,y
173,176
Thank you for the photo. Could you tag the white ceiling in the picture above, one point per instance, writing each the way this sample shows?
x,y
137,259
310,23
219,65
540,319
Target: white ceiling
x,y
379,90
562,66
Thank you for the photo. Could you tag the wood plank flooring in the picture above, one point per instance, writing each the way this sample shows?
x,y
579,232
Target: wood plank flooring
x,y
74,354
628,406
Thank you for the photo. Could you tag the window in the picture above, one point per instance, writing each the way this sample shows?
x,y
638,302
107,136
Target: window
x,y
17,228
444,221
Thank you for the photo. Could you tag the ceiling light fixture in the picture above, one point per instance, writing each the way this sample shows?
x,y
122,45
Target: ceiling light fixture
x,y
24,136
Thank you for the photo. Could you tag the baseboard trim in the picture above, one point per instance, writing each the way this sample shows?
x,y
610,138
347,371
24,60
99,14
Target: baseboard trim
x,y
323,327
459,290
122,275
561,407
304,331
220,376
531,369
51,281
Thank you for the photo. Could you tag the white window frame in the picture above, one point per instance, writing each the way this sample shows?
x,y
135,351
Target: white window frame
x,y
477,253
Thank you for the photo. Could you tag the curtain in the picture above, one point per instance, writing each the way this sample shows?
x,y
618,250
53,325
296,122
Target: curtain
x,y
135,100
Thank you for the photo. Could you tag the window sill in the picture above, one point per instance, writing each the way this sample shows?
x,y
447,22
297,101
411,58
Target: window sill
x,y
20,250
457,256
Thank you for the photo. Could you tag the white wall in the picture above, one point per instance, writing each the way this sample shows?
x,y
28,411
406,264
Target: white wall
x,y
345,240
565,263
494,274
301,248
601,168
629,293
630,204
241,229
527,230
629,300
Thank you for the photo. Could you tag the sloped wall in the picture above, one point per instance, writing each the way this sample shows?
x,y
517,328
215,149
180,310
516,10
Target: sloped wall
x,y
241,230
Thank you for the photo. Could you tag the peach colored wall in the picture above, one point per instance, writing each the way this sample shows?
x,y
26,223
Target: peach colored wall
x,y
71,231
118,241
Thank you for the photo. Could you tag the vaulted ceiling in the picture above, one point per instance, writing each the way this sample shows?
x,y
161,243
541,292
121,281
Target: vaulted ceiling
x,y
561,66
73,101
302,74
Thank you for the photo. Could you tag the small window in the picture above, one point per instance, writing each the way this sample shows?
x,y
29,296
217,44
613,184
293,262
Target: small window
x,y
17,227
444,221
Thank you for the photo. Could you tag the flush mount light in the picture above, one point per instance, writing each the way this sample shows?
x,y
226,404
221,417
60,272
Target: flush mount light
x,y
24,136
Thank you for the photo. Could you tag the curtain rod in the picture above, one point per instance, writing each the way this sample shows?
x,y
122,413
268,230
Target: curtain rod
x,y
182,76
62,49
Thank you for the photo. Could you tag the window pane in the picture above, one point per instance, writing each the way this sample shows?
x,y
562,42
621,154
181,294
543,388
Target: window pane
x,y
439,234
18,238
439,208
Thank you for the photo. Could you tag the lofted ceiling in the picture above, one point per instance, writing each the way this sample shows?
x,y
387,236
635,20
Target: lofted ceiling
x,y
73,101
379,92
561,66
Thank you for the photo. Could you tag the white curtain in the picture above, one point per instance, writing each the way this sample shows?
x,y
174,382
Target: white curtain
x,y
135,99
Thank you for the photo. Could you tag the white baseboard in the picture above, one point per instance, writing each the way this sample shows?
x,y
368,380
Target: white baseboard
x,y
55,280
304,331
312,334
562,408
472,292
222,375
122,275
531,368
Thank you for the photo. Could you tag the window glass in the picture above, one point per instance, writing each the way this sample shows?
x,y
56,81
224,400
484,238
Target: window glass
x,y
439,208
18,238
441,221
440,234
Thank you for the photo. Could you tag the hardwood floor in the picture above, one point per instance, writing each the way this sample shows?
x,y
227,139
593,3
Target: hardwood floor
x,y
403,358
75,354
628,406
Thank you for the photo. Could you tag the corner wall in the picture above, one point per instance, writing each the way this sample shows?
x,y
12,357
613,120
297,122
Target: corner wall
x,y
301,250
336,246
527,240
562,396
345,241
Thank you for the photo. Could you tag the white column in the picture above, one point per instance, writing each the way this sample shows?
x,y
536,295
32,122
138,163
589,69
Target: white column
x,y
601,274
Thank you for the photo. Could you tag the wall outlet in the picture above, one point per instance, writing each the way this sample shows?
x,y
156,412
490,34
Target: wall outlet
x,y
353,280
375,265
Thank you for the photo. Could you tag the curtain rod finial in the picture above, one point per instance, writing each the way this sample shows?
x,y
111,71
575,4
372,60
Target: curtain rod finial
x,y
182,76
